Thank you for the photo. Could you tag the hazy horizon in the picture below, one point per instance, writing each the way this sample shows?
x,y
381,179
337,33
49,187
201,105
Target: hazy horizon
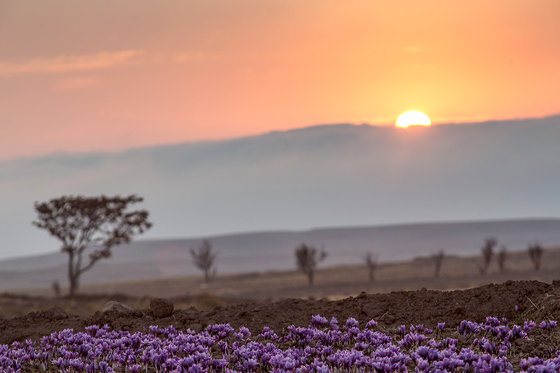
x,y
63,153
259,134
220,235
314,177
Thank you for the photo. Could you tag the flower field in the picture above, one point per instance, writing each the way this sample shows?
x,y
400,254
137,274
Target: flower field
x,y
324,346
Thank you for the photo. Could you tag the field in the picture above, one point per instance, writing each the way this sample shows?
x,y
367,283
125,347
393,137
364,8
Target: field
x,y
398,296
330,283
339,282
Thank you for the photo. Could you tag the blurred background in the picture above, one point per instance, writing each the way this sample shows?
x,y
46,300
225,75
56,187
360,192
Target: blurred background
x,y
262,126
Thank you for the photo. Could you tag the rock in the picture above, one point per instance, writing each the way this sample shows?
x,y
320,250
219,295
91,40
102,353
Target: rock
x,y
161,307
112,306
57,313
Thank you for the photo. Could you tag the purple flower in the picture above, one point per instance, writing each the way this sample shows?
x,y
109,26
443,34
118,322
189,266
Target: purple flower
x,y
77,364
60,363
133,368
528,325
319,320
548,325
333,324
351,322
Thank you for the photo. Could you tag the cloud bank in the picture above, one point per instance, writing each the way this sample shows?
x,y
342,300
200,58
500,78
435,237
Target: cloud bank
x,y
322,176
64,63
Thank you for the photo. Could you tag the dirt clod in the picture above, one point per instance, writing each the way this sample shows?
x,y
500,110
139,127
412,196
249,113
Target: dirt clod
x,y
57,313
113,306
161,307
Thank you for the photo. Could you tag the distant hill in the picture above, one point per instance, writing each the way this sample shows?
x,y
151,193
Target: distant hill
x,y
262,251
321,176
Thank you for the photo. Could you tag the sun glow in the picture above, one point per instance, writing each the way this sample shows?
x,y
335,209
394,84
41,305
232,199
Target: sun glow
x,y
412,118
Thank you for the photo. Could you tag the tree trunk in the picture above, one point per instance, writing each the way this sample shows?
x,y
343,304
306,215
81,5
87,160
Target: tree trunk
x,y
310,278
74,283
73,275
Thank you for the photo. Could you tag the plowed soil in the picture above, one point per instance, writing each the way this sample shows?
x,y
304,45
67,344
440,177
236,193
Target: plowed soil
x,y
534,300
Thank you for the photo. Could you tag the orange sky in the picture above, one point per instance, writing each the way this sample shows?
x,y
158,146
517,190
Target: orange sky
x,y
107,75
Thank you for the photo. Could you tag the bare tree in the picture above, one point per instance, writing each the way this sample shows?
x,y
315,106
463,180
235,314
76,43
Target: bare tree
x,y
502,257
82,222
371,263
438,261
203,258
487,254
307,259
56,288
535,253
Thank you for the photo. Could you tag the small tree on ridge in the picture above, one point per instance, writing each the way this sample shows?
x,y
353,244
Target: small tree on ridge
x,y
371,263
487,254
85,222
203,258
438,261
535,253
307,259
501,258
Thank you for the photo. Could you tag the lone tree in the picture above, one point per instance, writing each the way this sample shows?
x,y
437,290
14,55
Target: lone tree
x,y
438,261
85,222
307,259
502,257
535,253
371,263
487,254
56,288
203,258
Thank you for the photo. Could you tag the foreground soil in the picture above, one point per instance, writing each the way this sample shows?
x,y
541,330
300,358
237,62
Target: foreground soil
x,y
515,300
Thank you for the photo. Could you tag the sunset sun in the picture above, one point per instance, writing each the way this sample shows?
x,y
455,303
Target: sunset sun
x,y
412,118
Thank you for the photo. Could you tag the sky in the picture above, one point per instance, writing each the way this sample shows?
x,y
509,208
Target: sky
x,y
107,76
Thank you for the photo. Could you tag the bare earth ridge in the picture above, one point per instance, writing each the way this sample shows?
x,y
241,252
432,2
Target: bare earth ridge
x,y
534,300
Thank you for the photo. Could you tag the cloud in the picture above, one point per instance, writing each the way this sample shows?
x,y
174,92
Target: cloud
x,y
63,64
70,84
